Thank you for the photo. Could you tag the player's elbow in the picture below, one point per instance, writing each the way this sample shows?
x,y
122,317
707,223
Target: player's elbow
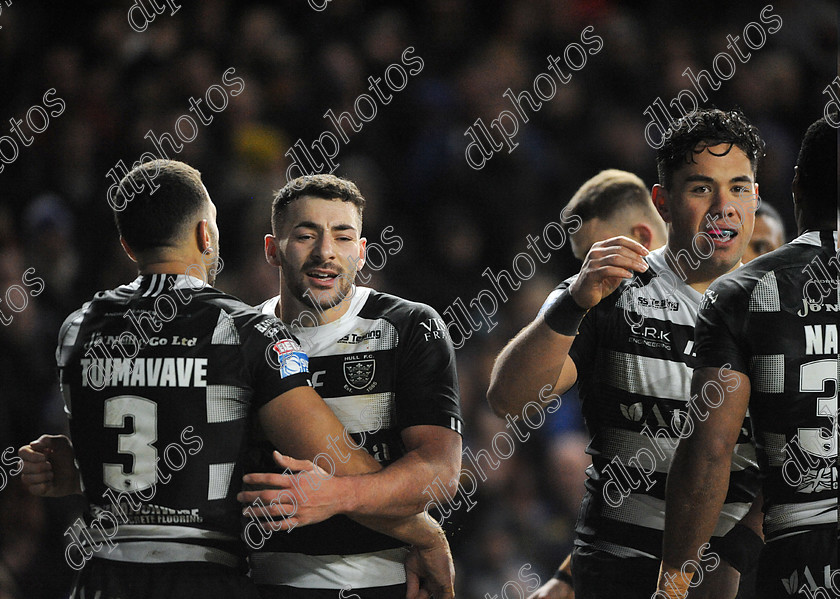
x,y
451,471
717,450
500,399
708,451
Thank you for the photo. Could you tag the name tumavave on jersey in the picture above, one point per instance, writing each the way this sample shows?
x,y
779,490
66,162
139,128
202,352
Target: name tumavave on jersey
x,y
144,372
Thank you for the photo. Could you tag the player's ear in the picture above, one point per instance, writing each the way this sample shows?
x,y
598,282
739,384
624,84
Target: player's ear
x,y
659,195
202,235
271,250
362,253
796,186
642,233
129,252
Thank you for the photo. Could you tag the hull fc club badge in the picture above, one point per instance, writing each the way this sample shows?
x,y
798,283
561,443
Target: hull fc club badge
x,y
358,372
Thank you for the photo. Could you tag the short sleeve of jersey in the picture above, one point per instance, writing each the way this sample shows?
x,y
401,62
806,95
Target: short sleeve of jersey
x,y
276,360
584,346
426,385
722,313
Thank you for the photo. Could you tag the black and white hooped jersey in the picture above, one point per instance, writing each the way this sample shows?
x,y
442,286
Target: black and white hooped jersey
x,y
387,364
634,358
776,321
159,379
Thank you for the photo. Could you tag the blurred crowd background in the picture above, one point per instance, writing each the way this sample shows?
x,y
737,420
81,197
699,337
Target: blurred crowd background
x,y
454,221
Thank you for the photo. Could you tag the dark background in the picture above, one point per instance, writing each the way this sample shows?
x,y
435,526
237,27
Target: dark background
x,y
409,162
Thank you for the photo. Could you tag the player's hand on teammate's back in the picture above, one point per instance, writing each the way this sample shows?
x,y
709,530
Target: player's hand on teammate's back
x,y
307,497
48,467
553,589
607,264
430,572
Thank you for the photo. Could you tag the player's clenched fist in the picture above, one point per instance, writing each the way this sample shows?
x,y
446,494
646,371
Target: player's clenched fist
x,y
605,266
48,467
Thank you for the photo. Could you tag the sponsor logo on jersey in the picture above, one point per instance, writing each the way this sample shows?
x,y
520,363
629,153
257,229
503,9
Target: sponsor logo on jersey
x,y
98,339
808,307
270,327
316,378
794,583
359,371
435,329
651,337
290,358
658,303
354,338
633,412
709,298
818,480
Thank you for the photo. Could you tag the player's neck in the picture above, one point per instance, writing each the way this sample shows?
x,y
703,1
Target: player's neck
x,y
698,278
173,267
291,310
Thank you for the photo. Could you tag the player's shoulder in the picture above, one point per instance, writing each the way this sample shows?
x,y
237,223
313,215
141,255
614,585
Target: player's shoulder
x,y
394,308
71,323
769,282
242,316
763,270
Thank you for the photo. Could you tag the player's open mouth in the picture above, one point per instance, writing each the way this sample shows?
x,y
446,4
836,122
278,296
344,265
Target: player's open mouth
x,y
324,278
721,236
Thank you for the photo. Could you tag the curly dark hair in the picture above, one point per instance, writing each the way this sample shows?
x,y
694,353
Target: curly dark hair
x,y
328,187
817,164
705,127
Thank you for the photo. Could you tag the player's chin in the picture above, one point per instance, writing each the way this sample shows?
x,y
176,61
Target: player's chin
x,y
323,299
725,259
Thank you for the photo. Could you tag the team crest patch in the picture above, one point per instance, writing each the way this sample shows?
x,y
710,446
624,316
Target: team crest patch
x,y
359,373
289,358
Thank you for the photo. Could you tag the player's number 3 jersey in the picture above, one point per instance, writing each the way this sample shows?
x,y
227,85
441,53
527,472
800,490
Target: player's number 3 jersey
x,y
159,379
776,321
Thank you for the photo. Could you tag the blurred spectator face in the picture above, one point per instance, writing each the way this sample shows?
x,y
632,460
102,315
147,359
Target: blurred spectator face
x,y
766,237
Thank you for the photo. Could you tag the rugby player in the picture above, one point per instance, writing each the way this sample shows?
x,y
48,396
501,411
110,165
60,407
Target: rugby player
x,y
159,379
623,329
772,328
387,369
614,203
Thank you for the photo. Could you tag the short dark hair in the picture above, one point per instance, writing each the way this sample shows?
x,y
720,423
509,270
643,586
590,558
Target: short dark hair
x,y
817,164
709,127
328,187
608,193
156,216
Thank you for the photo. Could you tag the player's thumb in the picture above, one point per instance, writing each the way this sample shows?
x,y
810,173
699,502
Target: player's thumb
x,y
47,443
291,463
